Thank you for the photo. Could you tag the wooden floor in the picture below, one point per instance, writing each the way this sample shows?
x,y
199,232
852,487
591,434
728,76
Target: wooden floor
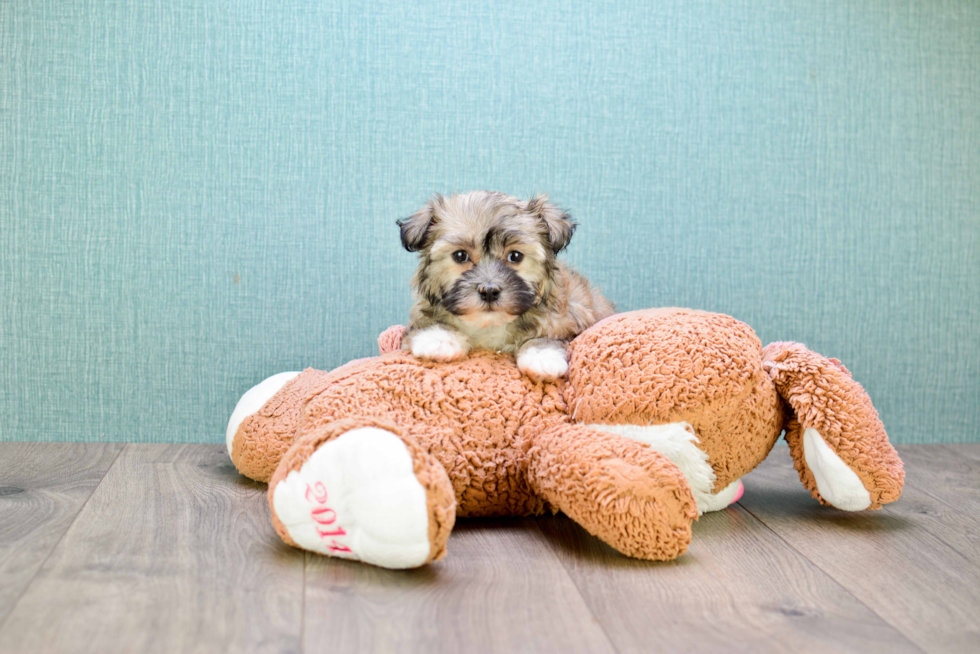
x,y
165,548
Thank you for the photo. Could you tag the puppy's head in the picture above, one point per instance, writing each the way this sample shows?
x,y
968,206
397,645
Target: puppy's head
x,y
486,257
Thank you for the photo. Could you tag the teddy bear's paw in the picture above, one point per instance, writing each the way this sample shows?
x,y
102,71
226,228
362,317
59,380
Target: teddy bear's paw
x,y
543,364
722,499
837,484
679,443
357,497
253,400
439,344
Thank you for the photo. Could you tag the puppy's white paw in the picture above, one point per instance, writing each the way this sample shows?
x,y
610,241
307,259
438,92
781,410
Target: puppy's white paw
x,y
542,363
439,344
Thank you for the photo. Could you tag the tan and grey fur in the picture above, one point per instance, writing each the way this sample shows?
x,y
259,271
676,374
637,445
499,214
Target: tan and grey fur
x,y
489,277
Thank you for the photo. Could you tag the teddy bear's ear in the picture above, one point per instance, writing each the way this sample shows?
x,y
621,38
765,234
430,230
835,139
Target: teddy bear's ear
x,y
559,224
415,228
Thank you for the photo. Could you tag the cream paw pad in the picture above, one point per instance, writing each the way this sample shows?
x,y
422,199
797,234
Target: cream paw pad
x,y
357,495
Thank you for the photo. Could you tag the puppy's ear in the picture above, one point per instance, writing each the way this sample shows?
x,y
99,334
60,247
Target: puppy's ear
x,y
416,227
559,224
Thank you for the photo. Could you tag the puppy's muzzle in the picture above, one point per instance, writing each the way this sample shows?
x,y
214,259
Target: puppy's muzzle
x,y
489,286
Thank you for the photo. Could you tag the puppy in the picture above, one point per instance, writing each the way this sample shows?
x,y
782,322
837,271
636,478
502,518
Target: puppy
x,y
488,277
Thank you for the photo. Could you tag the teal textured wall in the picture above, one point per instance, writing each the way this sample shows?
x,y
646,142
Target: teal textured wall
x,y
197,194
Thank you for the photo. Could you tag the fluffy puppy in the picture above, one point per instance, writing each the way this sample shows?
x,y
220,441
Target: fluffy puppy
x,y
488,277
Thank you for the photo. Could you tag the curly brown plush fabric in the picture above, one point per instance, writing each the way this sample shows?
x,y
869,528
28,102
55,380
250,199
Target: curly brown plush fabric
x,y
510,446
391,339
476,417
264,436
670,365
619,490
823,396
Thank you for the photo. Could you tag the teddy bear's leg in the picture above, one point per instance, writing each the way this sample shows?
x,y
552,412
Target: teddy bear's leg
x,y
620,490
838,443
360,488
678,442
267,417
722,499
253,400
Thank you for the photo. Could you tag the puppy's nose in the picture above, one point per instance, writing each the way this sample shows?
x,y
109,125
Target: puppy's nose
x,y
488,292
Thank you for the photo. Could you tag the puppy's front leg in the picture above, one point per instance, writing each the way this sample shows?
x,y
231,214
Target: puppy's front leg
x,y
437,343
543,359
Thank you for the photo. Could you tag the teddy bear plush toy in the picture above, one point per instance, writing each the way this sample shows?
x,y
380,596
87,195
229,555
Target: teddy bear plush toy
x,y
662,413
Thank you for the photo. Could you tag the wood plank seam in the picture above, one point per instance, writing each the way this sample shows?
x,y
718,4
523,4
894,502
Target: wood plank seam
x,y
54,548
585,602
952,508
847,590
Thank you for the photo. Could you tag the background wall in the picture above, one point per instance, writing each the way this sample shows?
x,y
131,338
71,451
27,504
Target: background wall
x,y
197,194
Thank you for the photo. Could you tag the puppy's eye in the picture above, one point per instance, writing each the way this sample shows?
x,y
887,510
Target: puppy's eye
x,y
461,256
515,257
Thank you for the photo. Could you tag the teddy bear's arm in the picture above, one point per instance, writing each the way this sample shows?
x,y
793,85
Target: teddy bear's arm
x,y
630,496
838,443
